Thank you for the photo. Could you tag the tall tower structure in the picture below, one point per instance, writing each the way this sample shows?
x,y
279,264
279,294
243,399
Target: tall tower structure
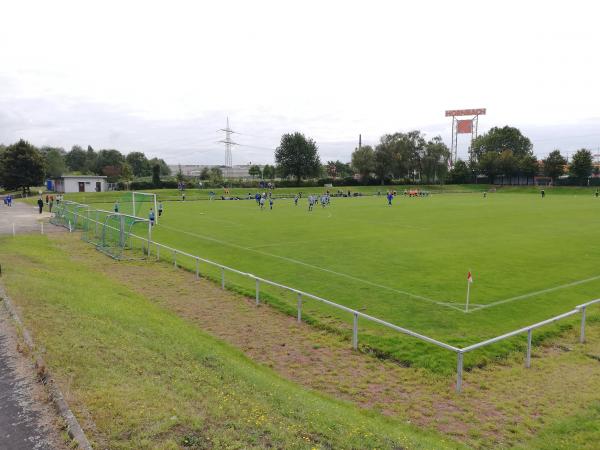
x,y
228,145
463,126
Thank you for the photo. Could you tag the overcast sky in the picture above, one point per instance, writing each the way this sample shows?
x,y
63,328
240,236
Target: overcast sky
x,y
162,77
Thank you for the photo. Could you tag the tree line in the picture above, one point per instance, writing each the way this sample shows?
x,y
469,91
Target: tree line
x,y
503,154
500,155
23,165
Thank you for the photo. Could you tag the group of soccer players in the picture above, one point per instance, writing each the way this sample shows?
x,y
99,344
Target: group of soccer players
x,y
314,200
261,199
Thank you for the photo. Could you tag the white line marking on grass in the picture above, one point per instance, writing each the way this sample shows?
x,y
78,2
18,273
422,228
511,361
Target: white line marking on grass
x,y
276,244
295,261
533,294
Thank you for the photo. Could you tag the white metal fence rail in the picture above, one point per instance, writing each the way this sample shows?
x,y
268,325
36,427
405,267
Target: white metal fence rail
x,y
460,352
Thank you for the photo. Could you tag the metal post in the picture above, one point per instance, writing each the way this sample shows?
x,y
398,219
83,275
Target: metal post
x,y
459,372
582,333
257,291
149,237
42,224
157,252
222,278
299,307
14,233
355,332
175,258
197,268
528,360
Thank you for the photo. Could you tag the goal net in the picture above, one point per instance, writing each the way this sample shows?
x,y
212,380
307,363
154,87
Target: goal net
x,y
69,214
121,236
138,204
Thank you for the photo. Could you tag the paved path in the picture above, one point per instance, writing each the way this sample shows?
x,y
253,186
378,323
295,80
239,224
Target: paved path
x,y
25,218
26,420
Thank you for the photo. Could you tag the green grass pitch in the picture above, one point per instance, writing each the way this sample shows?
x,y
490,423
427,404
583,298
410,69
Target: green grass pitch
x,y
531,258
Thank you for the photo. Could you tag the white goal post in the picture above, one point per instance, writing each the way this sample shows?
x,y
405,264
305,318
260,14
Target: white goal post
x,y
152,200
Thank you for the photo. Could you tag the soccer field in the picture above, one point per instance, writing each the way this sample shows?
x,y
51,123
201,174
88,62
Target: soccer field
x,y
531,258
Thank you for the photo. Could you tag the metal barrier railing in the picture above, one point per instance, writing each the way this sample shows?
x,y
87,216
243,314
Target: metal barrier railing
x,y
357,314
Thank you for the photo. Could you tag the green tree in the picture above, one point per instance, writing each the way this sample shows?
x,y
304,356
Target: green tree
x,y
126,174
460,173
76,159
399,155
363,161
343,169
179,176
488,165
156,175
21,166
508,165
140,165
297,156
164,168
109,162
54,161
499,139
528,166
91,158
434,160
268,172
216,175
385,161
205,173
254,171
582,165
554,165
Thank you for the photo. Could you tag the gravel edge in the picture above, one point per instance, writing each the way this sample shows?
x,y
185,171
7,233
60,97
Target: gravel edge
x,y
74,430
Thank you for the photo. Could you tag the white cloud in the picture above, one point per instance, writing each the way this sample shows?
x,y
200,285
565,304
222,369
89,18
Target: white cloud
x,y
162,76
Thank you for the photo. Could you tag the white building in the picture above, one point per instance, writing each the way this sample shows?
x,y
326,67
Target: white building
x,y
80,183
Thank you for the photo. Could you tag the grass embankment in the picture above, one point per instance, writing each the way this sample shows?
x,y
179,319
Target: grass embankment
x,y
149,379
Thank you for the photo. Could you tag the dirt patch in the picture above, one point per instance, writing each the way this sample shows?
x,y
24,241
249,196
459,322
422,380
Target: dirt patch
x,y
501,404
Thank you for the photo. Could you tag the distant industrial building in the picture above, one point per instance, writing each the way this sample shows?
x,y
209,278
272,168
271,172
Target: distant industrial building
x,y
228,172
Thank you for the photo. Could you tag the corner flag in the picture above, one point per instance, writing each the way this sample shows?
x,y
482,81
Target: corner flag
x,y
469,281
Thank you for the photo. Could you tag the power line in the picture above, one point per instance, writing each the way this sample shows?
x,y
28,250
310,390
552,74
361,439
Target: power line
x,y
228,144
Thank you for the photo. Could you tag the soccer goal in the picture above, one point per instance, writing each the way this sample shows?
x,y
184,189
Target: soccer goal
x,y
138,204
120,236
69,214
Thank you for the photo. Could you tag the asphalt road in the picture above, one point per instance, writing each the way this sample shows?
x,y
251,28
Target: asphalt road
x,y
26,219
24,418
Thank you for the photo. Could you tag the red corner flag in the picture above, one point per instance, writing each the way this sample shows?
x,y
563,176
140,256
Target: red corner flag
x,y
469,277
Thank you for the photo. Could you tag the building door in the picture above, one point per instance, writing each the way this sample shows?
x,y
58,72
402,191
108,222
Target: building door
x,y
98,186
81,186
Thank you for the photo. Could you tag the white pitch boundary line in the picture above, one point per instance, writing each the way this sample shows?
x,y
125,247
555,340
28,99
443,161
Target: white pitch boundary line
x,y
533,294
277,244
295,261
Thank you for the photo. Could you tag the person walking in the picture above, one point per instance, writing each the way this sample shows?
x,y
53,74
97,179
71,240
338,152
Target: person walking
x,y
40,203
